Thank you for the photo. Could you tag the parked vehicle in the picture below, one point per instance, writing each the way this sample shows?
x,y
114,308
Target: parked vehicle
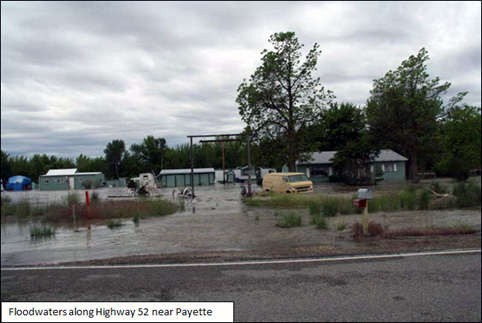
x,y
287,183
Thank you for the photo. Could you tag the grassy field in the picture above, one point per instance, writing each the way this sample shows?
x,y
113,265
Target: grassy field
x,y
409,198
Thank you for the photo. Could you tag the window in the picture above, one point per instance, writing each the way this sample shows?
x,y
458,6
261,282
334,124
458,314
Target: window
x,y
60,181
298,178
79,179
46,181
390,168
319,171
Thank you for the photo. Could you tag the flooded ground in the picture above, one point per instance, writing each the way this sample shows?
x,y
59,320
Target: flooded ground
x,y
217,220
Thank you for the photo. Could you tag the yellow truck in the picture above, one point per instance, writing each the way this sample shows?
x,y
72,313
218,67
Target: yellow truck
x,y
287,183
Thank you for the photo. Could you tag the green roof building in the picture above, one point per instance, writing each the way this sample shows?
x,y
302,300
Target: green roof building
x,y
70,179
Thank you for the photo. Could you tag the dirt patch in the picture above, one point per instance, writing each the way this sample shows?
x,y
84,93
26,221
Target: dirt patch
x,y
369,246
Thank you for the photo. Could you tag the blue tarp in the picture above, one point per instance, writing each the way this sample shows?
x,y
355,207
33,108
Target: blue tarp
x,y
18,183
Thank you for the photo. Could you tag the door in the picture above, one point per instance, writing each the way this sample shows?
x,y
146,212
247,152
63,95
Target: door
x,y
71,183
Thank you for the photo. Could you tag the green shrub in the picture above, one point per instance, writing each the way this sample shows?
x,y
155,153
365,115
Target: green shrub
x,y
161,207
71,197
408,199
43,230
315,208
330,207
95,197
113,223
467,195
289,220
321,223
424,200
136,218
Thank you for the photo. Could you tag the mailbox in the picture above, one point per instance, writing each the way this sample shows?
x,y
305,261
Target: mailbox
x,y
365,193
360,203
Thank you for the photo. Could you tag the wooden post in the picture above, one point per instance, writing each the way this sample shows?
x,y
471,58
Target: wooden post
x,y
192,171
365,219
249,165
224,164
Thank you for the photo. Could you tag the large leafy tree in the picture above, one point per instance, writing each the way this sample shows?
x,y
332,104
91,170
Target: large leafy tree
x,y
282,98
114,153
461,142
152,152
339,125
403,110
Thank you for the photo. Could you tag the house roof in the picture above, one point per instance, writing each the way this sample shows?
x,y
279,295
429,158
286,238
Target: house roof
x,y
61,172
389,155
187,171
326,157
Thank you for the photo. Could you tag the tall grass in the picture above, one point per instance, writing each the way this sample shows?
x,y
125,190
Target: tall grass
x,y
408,199
467,195
43,230
330,207
320,221
63,211
411,198
289,220
71,198
424,200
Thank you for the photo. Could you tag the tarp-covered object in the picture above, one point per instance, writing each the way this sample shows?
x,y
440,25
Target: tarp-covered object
x,y
18,183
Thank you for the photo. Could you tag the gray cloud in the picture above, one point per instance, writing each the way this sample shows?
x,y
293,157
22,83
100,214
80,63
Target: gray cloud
x,y
76,75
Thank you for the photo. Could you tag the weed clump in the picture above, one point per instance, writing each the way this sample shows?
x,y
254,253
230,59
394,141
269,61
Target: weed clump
x,y
320,221
43,230
330,208
289,220
113,223
467,195
374,230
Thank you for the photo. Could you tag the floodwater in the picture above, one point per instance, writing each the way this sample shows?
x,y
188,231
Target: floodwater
x,y
216,220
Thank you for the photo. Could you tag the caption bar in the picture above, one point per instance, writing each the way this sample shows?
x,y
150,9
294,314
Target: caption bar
x,y
118,312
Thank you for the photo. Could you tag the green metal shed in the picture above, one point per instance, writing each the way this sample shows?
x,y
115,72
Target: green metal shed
x,y
67,179
182,177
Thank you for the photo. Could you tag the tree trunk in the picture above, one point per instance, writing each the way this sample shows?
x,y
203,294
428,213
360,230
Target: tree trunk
x,y
414,169
292,165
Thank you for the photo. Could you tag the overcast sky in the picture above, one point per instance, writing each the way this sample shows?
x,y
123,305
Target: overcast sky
x,y
77,75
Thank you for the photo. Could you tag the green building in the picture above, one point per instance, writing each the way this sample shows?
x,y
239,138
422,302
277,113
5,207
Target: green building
x,y
69,179
320,167
182,177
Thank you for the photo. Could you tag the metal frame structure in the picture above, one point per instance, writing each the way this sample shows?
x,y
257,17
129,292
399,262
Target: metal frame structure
x,y
221,140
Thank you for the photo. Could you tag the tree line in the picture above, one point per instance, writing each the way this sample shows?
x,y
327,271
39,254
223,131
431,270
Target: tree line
x,y
151,155
289,114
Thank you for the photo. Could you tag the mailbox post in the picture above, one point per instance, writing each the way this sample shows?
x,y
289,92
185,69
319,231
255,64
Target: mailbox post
x,y
364,194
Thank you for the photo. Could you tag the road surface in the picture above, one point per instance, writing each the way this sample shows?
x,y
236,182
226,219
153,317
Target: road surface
x,y
441,287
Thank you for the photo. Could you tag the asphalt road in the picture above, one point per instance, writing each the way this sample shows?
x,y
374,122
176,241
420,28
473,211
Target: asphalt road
x,y
410,288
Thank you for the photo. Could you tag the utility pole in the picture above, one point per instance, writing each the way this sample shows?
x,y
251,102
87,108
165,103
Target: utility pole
x,y
192,171
248,139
